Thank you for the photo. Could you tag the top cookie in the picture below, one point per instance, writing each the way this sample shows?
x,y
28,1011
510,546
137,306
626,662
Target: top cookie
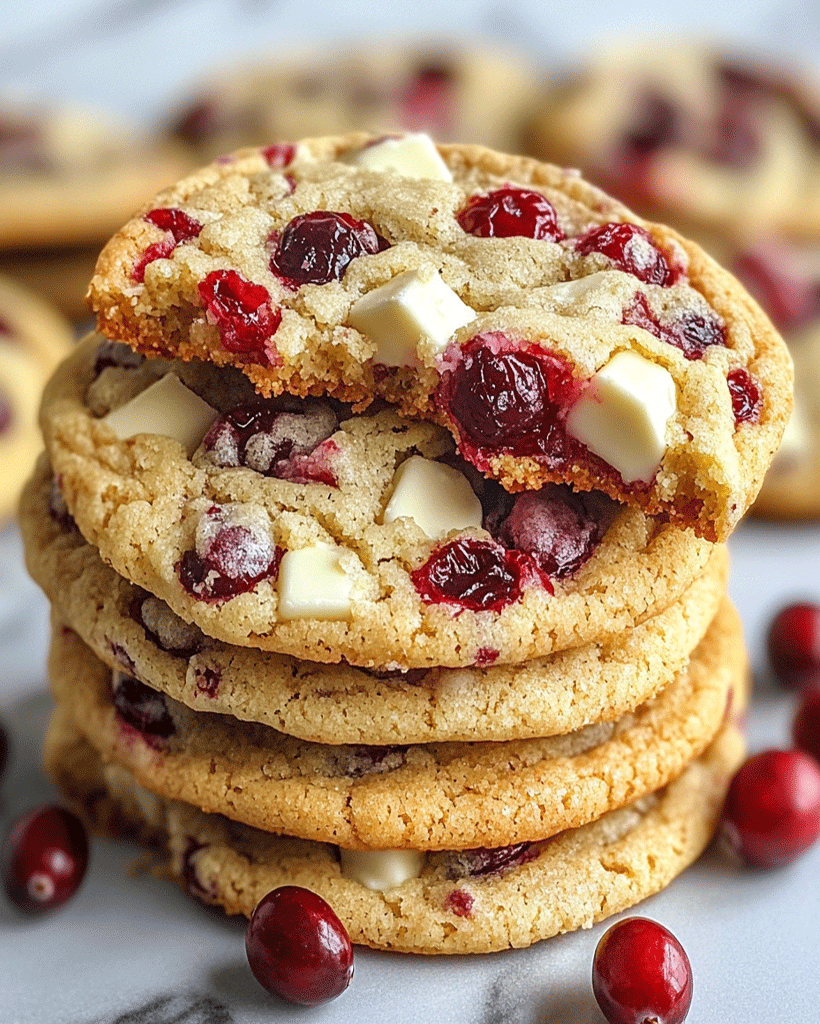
x,y
692,135
557,337
457,93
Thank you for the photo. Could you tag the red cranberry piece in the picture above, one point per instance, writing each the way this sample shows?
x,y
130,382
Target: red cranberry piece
x,y
631,249
297,947
240,309
507,398
428,102
793,643
806,726
45,856
747,400
460,902
510,211
361,760
199,123
472,574
207,681
280,154
772,811
179,225
557,528
483,861
142,708
641,974
656,124
692,333
486,656
317,247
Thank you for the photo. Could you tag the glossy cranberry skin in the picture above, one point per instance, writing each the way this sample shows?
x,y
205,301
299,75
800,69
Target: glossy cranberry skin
x,y
297,947
471,574
317,247
45,856
806,726
240,309
747,401
793,644
142,708
280,154
509,212
631,249
180,228
692,333
641,974
772,810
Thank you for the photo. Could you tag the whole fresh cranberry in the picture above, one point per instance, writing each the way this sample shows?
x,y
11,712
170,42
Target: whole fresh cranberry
x,y
806,725
297,947
45,856
793,643
631,249
509,211
772,810
641,974
317,247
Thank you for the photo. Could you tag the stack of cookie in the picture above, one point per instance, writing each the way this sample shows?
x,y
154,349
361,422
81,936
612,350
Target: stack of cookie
x,y
726,148
383,523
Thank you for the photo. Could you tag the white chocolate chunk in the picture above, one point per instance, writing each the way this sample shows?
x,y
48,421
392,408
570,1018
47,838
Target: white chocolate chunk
x,y
413,315
167,407
414,155
381,869
313,584
436,497
623,415
567,292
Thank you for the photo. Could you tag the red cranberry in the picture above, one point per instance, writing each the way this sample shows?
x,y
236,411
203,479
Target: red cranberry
x,y
240,309
655,125
317,247
806,726
631,249
793,643
199,123
360,759
473,574
45,856
747,400
280,154
772,811
142,708
692,333
297,947
641,974
483,860
428,103
460,902
207,681
504,397
510,211
180,227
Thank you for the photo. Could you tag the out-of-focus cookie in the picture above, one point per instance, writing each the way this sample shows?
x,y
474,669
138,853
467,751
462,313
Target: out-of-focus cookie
x,y
431,796
581,346
305,529
691,135
69,177
33,340
476,93
136,633
445,902
59,275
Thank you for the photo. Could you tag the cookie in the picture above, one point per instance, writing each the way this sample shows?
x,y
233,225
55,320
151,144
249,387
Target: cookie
x,y
477,94
70,177
357,536
133,631
475,903
59,275
420,797
691,135
594,348
33,340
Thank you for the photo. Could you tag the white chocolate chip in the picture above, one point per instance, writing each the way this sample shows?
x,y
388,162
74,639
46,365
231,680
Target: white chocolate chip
x,y
313,584
414,314
623,415
381,869
414,155
435,496
167,407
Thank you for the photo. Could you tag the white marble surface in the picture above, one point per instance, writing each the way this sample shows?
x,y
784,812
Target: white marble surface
x,y
132,949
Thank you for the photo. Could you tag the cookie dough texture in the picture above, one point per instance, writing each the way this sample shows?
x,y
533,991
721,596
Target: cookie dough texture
x,y
135,633
712,467
33,340
140,501
432,796
576,878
